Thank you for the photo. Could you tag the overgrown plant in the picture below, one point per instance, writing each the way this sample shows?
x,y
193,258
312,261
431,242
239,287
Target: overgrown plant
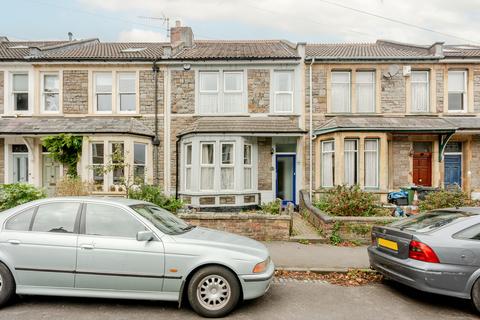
x,y
335,237
273,207
66,149
15,194
72,186
155,195
446,199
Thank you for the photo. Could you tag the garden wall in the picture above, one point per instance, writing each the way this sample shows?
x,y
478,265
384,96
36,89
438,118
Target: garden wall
x,y
257,226
356,229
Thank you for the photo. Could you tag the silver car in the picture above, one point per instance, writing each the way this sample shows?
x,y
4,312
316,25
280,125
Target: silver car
x,y
119,248
437,251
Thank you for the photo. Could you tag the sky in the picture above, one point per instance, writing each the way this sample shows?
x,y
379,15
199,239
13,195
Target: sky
x,y
319,21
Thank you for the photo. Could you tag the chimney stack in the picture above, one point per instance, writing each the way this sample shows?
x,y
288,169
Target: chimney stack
x,y
437,49
70,36
179,35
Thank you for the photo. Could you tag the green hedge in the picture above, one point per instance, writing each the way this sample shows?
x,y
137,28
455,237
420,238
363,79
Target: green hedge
x,y
12,195
155,195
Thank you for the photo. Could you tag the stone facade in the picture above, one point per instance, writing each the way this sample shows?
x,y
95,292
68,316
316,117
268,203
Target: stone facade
x,y
258,90
147,92
319,90
158,152
183,91
401,162
475,164
75,91
439,90
177,124
264,164
2,160
2,84
256,226
392,95
476,90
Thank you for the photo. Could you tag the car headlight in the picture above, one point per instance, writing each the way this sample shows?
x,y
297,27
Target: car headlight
x,y
262,266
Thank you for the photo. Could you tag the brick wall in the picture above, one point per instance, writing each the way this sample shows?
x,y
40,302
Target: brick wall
x,y
439,90
475,163
258,227
75,91
2,84
2,161
476,89
264,164
401,162
392,96
183,91
147,92
258,90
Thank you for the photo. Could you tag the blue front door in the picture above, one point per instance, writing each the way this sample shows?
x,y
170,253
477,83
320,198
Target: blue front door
x,y
285,165
453,170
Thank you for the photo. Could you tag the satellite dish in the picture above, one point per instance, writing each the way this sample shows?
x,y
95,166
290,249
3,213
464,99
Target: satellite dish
x,y
392,71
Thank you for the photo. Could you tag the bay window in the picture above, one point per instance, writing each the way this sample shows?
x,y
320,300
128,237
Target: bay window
x,y
139,162
97,163
328,163
227,174
221,92
457,90
103,92
420,91
341,88
20,91
127,92
283,91
50,89
207,165
350,176
118,158
365,89
188,166
247,166
371,163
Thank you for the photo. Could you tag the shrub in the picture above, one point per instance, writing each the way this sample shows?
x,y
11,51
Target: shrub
x,y
72,186
15,194
273,207
155,195
446,199
66,149
349,201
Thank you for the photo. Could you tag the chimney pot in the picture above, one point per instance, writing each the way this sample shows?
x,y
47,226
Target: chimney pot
x,y
178,23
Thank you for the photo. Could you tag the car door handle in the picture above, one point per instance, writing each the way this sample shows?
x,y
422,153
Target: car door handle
x,y
87,246
13,241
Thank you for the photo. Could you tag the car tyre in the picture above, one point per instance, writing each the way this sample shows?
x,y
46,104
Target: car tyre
x,y
476,295
7,285
213,292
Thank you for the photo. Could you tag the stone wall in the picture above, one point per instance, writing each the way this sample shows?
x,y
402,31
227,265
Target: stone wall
x,y
475,164
257,226
147,92
158,152
264,164
183,91
476,90
392,94
258,90
319,90
75,91
177,124
2,160
439,90
401,162
2,84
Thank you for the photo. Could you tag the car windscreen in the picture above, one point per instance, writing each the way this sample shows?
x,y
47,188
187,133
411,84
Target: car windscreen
x,y
162,219
430,221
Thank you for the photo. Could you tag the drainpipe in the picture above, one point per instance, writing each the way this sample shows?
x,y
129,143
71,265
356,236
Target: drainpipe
x,y
156,139
177,144
310,132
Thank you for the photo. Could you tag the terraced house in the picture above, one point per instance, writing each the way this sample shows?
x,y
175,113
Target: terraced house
x,y
219,123
386,115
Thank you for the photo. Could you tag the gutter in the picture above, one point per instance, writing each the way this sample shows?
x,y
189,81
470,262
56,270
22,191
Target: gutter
x,y
156,139
413,130
310,135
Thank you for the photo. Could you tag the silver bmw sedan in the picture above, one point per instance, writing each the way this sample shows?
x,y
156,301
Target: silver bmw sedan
x,y
437,251
120,248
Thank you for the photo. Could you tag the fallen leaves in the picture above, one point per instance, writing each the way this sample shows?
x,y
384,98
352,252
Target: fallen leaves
x,y
352,278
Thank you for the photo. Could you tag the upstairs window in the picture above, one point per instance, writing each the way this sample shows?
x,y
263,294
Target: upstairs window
x,y
457,91
20,92
283,91
365,88
221,92
50,87
341,92
420,88
103,92
127,92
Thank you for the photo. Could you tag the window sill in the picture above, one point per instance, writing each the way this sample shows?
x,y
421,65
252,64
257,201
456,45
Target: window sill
x,y
351,114
284,114
217,115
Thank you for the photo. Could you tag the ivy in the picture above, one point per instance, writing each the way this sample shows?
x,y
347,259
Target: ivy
x,y
66,149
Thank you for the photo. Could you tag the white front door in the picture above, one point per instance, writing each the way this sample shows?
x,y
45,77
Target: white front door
x,y
20,167
51,173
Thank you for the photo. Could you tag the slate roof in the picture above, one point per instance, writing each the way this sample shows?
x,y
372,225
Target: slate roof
x,y
244,125
467,51
238,49
465,123
86,125
387,124
18,50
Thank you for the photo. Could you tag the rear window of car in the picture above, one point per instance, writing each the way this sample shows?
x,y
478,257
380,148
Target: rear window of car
x,y
430,221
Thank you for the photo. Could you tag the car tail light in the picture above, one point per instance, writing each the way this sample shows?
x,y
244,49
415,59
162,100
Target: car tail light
x,y
420,251
374,239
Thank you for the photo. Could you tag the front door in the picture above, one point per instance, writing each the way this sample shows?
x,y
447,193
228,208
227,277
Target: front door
x,y
20,167
422,169
109,256
286,178
51,173
453,170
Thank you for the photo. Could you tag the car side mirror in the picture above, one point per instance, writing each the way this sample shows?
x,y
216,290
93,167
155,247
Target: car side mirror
x,y
145,236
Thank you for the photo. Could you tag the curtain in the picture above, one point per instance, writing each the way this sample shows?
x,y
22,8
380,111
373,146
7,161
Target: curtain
x,y
350,162
232,102
365,91
283,102
227,178
207,176
247,178
208,102
419,80
371,163
328,164
341,92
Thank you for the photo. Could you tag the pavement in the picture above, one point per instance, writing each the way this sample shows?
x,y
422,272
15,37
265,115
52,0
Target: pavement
x,y
317,257
290,300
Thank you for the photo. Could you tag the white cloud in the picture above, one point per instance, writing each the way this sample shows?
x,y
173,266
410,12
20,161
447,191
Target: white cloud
x,y
140,35
320,20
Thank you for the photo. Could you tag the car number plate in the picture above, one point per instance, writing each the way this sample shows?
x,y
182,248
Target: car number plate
x,y
388,244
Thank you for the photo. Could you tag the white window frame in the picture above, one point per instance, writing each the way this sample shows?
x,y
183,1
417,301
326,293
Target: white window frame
x,y
145,166
95,93
188,166
349,91
276,93
43,93
373,84
464,92
355,152
248,166
119,93
13,92
92,165
209,92
227,165
412,83
208,165
377,159
323,152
